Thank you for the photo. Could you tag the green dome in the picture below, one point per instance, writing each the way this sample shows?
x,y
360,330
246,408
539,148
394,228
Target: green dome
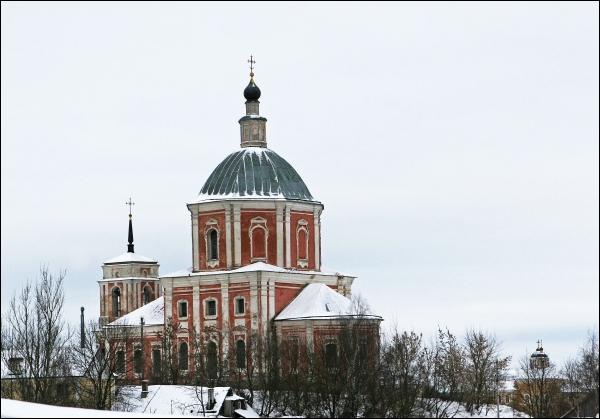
x,y
254,172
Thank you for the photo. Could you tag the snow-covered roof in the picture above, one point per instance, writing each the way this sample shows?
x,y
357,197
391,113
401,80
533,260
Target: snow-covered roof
x,y
180,399
318,301
253,267
153,314
18,409
130,257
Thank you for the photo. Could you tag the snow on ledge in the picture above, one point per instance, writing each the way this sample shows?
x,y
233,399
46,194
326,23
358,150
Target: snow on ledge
x,y
253,267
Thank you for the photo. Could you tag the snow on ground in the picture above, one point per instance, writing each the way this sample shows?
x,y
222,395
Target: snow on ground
x,y
18,409
488,411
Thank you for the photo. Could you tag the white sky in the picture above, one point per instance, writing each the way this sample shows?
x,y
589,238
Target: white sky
x,y
455,147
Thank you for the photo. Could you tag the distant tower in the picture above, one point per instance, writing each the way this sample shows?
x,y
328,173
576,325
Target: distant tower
x,y
129,281
539,360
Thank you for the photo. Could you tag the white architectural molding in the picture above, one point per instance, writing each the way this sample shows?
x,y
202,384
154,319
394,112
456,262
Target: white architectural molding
x,y
288,247
195,242
228,246
279,232
237,236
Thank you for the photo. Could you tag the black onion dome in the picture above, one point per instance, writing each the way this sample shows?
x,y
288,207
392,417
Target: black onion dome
x,y
255,172
252,92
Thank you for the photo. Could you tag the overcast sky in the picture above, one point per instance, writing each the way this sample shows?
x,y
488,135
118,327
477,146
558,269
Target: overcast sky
x,y
454,146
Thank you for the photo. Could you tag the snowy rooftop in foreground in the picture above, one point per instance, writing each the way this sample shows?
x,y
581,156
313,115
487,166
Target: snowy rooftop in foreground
x,y
180,400
318,301
129,258
19,409
153,313
254,267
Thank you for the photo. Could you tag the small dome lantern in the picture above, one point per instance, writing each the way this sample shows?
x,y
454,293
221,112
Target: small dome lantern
x,y
539,360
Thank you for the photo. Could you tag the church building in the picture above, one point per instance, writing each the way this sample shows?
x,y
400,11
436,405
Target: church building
x,y
256,266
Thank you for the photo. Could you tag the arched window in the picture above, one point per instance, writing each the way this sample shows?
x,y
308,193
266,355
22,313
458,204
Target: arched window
x,y
137,361
258,247
211,360
116,302
240,354
302,243
183,356
147,295
331,355
212,239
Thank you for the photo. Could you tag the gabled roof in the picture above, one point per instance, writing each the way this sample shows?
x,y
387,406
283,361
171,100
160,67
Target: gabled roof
x,y
318,301
129,257
153,314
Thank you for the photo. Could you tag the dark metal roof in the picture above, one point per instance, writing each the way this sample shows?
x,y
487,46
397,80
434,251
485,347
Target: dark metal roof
x,y
255,172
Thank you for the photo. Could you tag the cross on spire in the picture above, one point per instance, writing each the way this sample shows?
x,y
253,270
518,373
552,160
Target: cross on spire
x,y
130,204
252,62
130,233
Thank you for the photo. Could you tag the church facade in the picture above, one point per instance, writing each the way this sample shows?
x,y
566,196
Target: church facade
x,y
256,267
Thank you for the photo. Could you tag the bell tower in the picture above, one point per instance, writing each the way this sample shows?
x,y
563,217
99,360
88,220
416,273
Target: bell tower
x,y
128,282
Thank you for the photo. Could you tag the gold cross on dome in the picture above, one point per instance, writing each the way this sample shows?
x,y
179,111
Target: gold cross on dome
x,y
130,204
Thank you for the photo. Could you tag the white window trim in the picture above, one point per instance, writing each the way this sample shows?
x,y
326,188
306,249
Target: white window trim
x,y
235,306
204,306
302,226
259,222
212,225
120,309
187,309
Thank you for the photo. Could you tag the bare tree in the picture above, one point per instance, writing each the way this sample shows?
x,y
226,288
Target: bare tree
x,y
36,339
484,367
102,359
444,369
170,373
402,374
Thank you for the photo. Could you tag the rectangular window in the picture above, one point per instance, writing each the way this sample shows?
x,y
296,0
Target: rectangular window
x,y
120,362
156,363
240,306
211,308
182,309
137,361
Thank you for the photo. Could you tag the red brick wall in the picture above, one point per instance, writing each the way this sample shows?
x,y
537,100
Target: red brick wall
x,y
203,217
284,294
246,219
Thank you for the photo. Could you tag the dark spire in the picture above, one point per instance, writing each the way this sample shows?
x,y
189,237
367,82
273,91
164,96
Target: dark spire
x,y
130,235
82,332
